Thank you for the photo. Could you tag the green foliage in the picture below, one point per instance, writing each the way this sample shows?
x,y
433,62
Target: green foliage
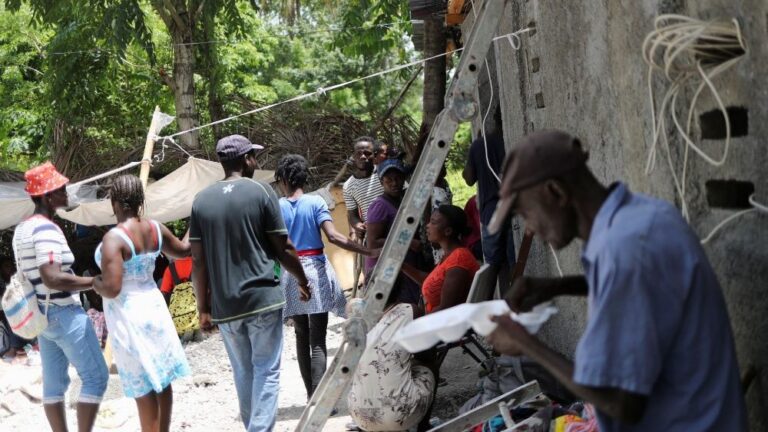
x,y
461,191
457,157
23,111
457,154
97,67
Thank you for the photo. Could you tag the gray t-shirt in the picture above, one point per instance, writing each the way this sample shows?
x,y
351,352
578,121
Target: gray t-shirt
x,y
232,219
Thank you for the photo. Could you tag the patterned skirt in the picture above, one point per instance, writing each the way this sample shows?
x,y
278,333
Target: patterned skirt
x,y
327,295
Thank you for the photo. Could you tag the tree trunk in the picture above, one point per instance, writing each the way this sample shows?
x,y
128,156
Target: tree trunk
x,y
433,97
212,71
434,71
180,23
184,89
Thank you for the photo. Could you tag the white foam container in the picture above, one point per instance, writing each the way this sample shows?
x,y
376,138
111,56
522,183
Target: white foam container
x,y
533,320
451,324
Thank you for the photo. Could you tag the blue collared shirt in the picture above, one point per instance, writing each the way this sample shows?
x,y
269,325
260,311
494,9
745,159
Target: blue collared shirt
x,y
658,324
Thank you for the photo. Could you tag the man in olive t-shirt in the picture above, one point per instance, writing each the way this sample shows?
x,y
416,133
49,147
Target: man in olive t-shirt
x,y
237,234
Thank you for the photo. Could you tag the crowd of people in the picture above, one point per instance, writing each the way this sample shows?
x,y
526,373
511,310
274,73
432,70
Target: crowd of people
x,y
657,331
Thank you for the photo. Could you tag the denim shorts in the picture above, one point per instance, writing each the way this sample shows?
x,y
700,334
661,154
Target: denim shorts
x,y
71,339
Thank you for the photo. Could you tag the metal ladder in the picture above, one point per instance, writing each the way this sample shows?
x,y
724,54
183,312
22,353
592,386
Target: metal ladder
x,y
364,313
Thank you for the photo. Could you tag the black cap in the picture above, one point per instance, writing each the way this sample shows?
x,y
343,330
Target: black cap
x,y
233,146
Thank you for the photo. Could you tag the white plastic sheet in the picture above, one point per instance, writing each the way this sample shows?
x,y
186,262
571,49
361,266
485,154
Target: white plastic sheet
x,y
16,205
167,199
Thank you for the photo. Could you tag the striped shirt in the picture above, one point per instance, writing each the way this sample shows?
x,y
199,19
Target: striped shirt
x,y
359,193
39,241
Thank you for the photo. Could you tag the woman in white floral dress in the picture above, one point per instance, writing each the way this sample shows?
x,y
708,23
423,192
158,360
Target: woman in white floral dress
x,y
392,389
147,351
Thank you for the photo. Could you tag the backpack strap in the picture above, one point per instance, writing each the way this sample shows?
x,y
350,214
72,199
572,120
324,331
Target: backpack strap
x,y
174,273
15,245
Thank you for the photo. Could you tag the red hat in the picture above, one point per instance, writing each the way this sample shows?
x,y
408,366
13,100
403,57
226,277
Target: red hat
x,y
44,179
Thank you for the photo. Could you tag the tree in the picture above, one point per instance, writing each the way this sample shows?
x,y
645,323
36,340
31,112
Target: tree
x,y
22,125
357,13
117,24
180,19
78,85
434,71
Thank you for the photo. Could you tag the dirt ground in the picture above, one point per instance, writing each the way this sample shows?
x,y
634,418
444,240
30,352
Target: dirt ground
x,y
207,401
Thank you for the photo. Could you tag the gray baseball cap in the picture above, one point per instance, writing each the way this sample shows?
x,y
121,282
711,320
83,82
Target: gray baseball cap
x,y
233,146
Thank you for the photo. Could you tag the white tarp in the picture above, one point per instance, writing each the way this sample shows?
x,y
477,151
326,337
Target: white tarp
x,y
16,205
167,199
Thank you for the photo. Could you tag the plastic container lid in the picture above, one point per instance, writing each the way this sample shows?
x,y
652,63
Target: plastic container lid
x,y
450,325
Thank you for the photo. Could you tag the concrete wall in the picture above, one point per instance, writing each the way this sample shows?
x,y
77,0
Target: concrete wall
x,y
582,71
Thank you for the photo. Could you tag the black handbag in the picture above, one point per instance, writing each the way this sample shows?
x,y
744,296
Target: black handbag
x,y
5,337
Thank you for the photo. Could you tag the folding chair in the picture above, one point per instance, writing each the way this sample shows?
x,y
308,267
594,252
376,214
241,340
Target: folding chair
x,y
483,288
527,393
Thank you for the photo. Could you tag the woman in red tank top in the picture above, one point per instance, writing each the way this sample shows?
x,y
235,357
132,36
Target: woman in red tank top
x,y
448,284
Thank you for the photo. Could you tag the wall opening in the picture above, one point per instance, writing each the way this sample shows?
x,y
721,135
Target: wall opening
x,y
532,26
729,194
540,100
713,123
535,64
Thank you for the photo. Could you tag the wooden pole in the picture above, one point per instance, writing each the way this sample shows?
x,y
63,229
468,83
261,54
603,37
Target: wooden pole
x,y
149,147
522,256
397,102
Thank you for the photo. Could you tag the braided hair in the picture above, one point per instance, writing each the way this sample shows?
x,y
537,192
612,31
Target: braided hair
x,y
128,193
293,169
456,219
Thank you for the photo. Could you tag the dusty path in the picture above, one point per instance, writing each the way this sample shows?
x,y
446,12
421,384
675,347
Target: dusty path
x,y
207,401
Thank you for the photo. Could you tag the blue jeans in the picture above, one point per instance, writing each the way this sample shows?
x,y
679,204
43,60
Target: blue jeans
x,y
498,248
254,346
70,338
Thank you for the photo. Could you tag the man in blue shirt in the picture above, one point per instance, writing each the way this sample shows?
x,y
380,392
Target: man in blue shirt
x,y
657,352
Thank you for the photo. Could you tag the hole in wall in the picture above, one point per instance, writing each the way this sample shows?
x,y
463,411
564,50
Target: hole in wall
x,y
540,100
410,220
532,26
535,64
379,296
712,123
472,67
729,194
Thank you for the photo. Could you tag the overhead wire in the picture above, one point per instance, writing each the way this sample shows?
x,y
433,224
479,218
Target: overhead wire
x,y
515,42
323,90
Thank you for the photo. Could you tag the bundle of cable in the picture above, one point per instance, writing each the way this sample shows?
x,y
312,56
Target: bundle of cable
x,y
688,52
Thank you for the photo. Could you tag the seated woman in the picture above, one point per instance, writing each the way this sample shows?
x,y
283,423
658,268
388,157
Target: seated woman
x,y
448,284
392,390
